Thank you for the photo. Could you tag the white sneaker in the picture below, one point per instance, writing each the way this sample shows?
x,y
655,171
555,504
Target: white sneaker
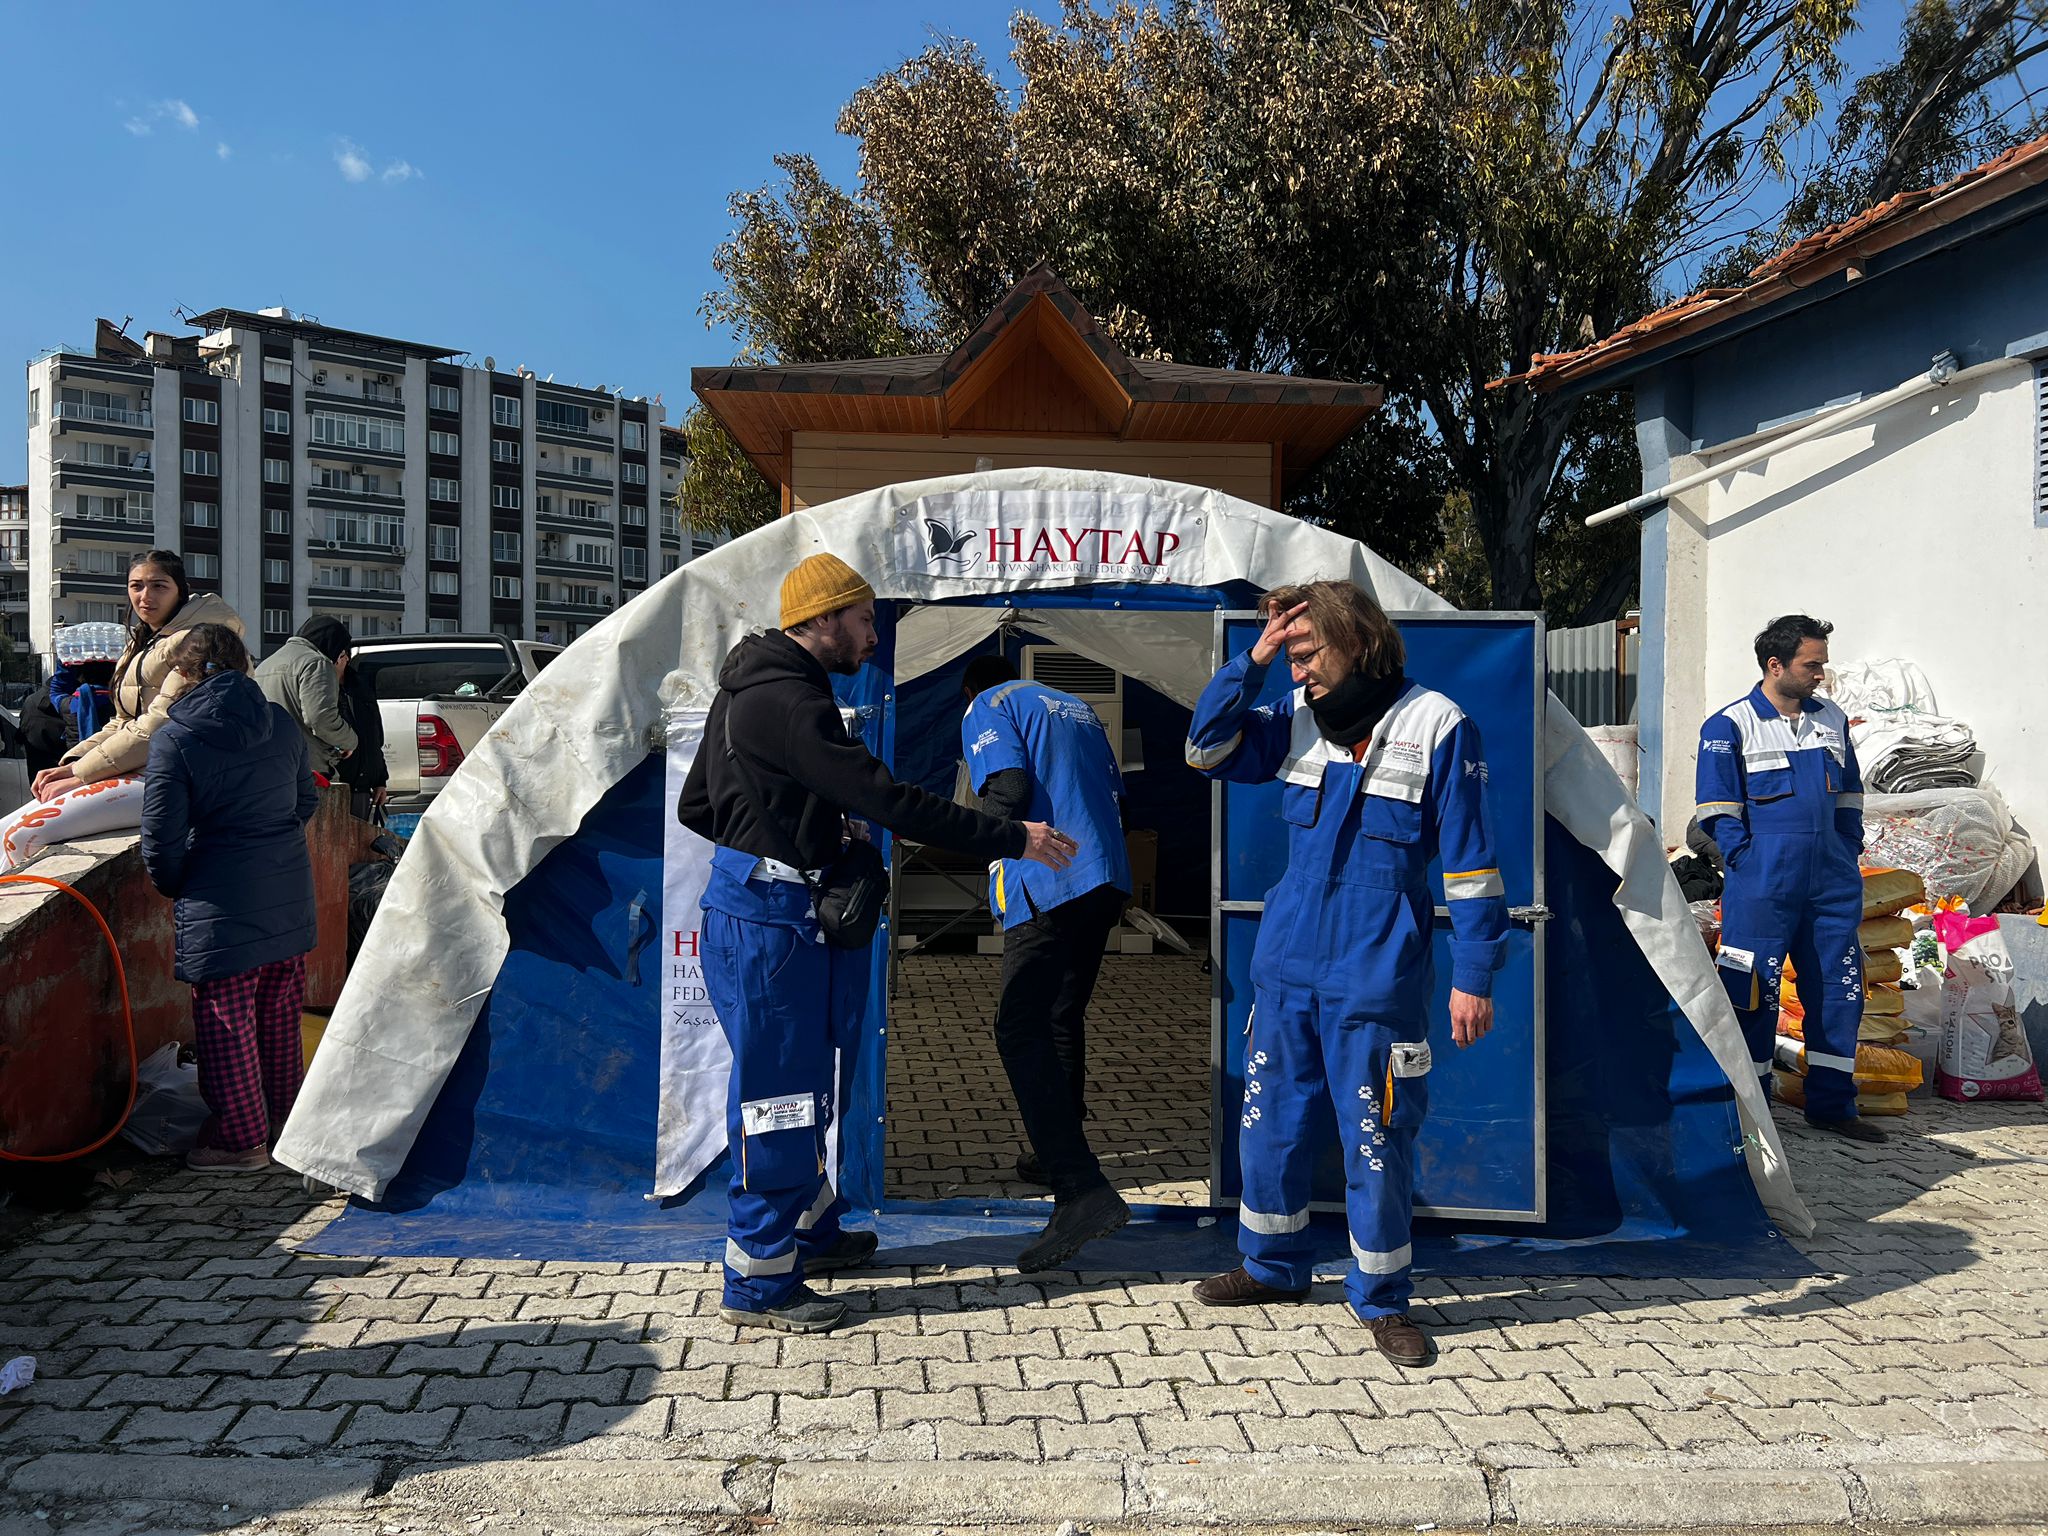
x,y
221,1160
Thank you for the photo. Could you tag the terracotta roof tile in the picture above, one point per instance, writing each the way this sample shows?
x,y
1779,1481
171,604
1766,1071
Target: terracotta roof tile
x,y
1889,223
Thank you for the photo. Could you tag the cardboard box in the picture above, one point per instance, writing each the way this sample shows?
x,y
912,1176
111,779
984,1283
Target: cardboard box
x,y
1142,846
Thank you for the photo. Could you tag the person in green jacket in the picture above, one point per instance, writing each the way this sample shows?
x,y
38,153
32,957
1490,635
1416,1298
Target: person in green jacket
x,y
304,675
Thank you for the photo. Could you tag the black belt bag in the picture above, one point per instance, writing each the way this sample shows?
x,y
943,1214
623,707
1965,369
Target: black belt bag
x,y
849,893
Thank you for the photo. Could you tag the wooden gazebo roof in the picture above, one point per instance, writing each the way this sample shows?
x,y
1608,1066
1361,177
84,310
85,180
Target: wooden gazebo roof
x,y
1038,366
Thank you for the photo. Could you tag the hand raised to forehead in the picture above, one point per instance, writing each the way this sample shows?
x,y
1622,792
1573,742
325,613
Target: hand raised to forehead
x,y
1281,629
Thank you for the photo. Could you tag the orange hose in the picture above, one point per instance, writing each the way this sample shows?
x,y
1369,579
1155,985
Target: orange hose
x,y
127,1019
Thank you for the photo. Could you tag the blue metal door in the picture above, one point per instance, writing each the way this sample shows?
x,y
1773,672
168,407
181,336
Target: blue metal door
x,y
1482,1149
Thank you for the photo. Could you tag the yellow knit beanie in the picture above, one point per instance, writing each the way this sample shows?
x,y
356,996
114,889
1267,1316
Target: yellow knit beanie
x,y
821,584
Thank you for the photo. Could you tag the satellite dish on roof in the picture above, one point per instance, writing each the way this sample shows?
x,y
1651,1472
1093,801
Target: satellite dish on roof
x,y
491,363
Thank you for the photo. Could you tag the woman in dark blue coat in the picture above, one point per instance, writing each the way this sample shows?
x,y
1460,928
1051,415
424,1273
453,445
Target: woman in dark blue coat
x,y
225,802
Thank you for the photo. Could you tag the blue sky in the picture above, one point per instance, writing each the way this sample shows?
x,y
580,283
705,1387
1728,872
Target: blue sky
x,y
544,184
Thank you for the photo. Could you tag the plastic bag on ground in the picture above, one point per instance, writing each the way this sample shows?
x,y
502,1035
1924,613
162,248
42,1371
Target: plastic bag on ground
x,y
168,1110
1962,842
1984,1052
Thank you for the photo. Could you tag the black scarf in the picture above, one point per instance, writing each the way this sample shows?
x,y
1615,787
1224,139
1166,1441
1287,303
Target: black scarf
x,y
1349,712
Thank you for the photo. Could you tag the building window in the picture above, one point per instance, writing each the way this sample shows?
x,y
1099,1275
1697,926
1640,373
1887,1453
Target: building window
x,y
377,529
139,507
278,573
277,520
101,562
505,547
592,554
670,561
633,474
560,416
443,543
100,613
205,412
277,621
583,464
505,410
334,429
277,370
590,511
504,586
444,397
444,626
277,423
449,443
633,563
202,567
199,461
35,407
106,455
635,435
444,583
506,497
277,471
202,514
504,451
442,489
633,517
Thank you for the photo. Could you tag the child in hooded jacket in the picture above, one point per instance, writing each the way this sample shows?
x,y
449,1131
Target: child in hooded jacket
x,y
226,798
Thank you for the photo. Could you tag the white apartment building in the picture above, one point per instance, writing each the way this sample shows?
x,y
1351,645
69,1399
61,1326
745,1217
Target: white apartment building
x,y
302,469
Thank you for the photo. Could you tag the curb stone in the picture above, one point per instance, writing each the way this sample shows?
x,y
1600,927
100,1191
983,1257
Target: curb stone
x,y
1976,1493
644,1487
265,1484
949,1492
1664,1498
1311,1493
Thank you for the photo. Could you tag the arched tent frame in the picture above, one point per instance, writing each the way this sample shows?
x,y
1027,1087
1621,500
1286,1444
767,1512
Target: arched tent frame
x,y
440,937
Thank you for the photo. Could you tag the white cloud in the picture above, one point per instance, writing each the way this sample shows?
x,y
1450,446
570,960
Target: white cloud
x,y
402,170
137,126
222,150
348,155
173,111
181,114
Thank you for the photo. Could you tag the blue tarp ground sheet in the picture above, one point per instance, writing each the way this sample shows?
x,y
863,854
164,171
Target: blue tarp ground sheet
x,y
541,1144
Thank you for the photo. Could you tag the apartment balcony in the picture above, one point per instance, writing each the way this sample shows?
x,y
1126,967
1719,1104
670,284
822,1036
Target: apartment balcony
x,y
379,598
390,396
563,432
574,522
557,565
65,414
354,496
68,583
126,529
383,552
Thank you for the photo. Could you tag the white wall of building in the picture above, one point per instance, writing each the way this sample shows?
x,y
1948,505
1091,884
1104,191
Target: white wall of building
x,y
1914,534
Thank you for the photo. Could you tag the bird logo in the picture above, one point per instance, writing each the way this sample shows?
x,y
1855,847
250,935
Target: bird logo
x,y
945,545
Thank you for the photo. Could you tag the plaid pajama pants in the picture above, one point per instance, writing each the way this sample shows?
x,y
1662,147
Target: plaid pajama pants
x,y
251,1058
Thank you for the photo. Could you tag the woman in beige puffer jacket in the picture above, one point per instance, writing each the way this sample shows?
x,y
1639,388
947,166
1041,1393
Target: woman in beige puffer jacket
x,y
96,787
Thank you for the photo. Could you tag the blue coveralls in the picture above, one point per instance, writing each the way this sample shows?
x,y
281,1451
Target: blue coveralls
x,y
788,1003
1075,786
1343,972
1786,808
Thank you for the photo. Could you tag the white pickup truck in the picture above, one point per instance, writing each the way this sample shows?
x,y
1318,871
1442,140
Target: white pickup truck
x,y
437,695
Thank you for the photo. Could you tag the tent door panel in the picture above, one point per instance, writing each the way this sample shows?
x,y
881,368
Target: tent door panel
x,y
1482,1148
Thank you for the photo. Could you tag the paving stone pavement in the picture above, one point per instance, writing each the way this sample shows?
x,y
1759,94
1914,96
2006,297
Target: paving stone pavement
x,y
953,1127
178,1320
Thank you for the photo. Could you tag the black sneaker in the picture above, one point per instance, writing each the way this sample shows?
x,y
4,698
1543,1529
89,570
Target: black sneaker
x,y
804,1311
1031,1171
1075,1223
1856,1128
852,1249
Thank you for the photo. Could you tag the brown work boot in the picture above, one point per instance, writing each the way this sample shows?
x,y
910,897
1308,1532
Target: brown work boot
x,y
1236,1288
1399,1339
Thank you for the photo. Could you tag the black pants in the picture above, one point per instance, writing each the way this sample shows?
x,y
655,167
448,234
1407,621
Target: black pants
x,y
1050,963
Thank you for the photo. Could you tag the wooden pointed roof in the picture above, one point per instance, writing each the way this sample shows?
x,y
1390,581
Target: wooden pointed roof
x,y
1038,366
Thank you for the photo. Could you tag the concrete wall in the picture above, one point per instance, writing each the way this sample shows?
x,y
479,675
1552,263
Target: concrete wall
x,y
829,465
1915,534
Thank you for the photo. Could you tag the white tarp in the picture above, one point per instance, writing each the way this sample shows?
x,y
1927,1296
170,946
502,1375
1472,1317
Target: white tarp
x,y
594,714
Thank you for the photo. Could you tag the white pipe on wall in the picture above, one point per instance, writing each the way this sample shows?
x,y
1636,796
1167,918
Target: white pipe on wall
x,y
1937,377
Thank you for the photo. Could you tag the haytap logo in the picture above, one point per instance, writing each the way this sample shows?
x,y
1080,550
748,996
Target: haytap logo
x,y
944,546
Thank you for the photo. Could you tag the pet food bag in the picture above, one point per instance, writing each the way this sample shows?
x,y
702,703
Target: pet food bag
x,y
1984,1052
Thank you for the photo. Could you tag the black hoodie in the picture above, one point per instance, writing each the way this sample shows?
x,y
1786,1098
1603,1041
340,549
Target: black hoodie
x,y
786,723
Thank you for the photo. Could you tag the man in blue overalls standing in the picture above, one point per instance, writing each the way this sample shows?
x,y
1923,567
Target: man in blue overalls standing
x,y
777,774
1034,752
1379,776
1780,792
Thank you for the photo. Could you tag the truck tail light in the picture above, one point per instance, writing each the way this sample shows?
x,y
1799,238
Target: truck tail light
x,y
440,752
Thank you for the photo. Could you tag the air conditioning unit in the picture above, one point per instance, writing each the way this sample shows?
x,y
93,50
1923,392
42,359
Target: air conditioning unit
x,y
383,378
320,376
333,544
355,469
597,414
1100,687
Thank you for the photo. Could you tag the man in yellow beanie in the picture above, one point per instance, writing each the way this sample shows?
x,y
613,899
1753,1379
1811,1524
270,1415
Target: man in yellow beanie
x,y
775,780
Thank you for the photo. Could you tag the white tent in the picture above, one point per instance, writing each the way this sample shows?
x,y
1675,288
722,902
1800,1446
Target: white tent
x,y
593,716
